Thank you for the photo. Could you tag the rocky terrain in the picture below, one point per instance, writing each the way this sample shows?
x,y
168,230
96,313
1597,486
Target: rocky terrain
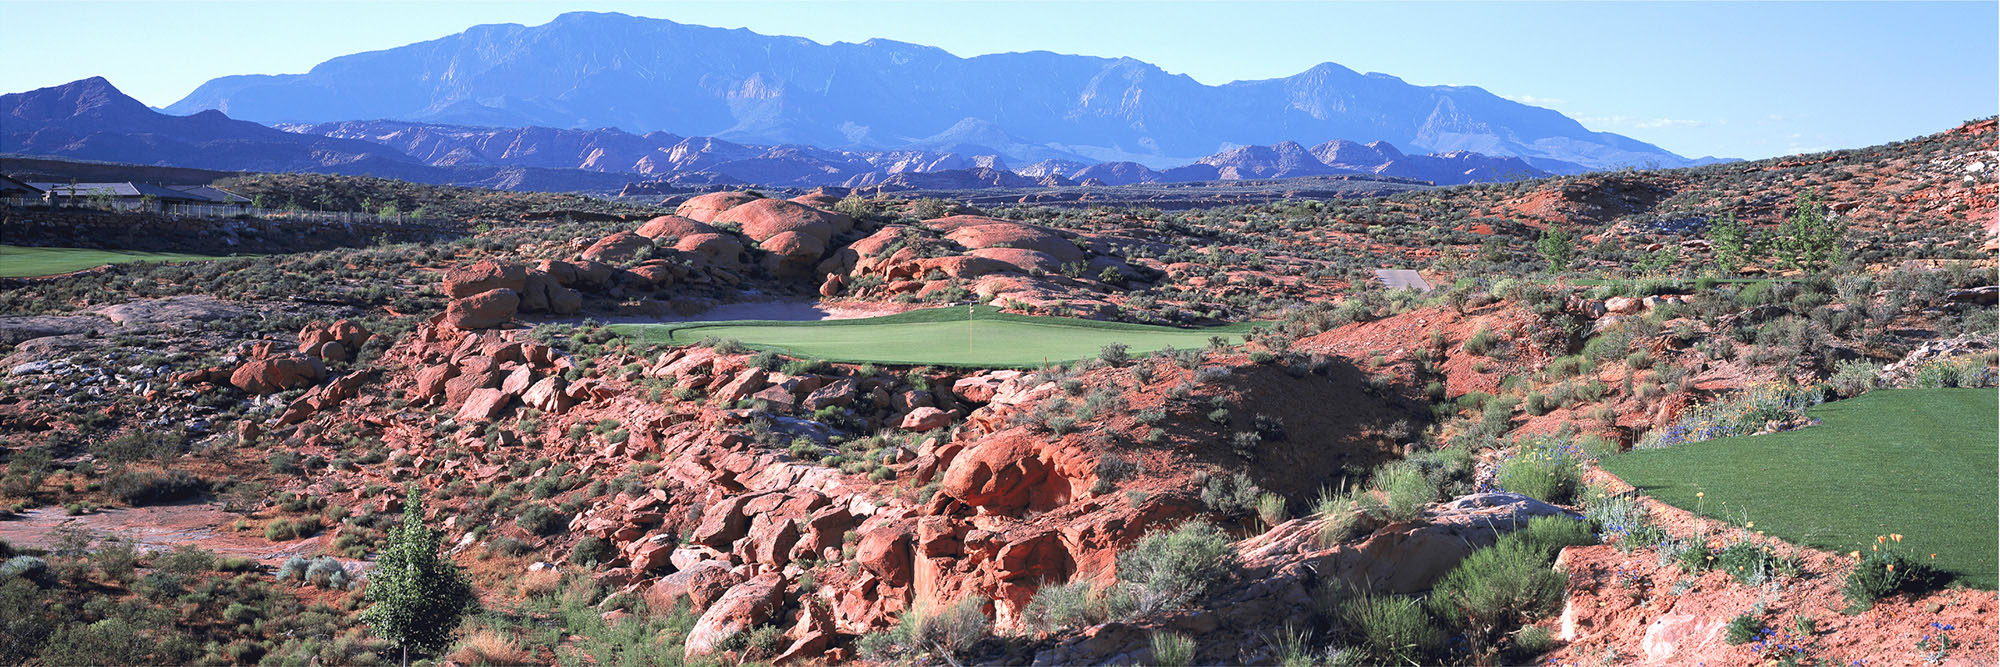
x,y
1372,477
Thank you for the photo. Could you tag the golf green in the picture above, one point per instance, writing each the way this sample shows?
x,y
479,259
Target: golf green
x,y
1916,462
18,261
952,336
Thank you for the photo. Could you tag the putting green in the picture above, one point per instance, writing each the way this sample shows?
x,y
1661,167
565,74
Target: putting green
x,y
19,261
948,336
1916,462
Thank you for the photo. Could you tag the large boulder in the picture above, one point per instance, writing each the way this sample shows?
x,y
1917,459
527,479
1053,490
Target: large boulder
x,y
483,310
997,472
1008,234
1021,260
704,208
482,276
712,250
617,248
670,228
766,218
276,374
745,606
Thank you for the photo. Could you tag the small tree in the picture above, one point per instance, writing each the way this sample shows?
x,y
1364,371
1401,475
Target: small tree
x,y
418,597
1731,242
1809,240
1558,248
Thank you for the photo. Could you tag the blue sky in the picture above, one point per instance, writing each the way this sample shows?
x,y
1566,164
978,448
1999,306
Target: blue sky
x,y
1732,79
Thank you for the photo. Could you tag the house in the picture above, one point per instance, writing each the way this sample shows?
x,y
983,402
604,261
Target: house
x,y
18,191
130,195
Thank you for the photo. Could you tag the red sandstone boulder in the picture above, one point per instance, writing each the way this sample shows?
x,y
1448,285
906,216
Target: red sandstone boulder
x,y
483,310
745,606
885,551
997,472
483,405
717,250
276,374
704,208
670,228
617,248
975,232
1021,260
482,276
766,218
926,419
701,583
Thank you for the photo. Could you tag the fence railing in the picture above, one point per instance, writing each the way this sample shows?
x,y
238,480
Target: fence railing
x,y
210,211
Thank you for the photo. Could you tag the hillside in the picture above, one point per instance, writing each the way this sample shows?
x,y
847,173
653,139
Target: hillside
x,y
645,75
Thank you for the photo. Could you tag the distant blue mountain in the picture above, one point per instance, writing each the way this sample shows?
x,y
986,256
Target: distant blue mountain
x,y
593,70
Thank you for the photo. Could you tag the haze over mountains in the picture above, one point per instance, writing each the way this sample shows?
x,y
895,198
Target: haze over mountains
x,y
91,119
641,75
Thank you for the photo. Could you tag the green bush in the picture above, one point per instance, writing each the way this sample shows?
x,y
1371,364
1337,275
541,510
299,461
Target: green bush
x,y
1401,491
949,631
542,520
1169,569
1753,565
144,488
590,550
1172,649
1391,629
1546,536
1497,589
1883,573
1058,607
1543,470
1743,628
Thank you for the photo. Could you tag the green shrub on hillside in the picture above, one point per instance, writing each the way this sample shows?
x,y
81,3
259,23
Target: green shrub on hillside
x,y
1169,569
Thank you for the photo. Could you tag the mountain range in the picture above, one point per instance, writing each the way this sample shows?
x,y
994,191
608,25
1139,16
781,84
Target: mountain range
x,y
90,119
642,75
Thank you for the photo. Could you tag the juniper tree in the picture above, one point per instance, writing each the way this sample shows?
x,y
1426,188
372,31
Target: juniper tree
x,y
1556,247
418,598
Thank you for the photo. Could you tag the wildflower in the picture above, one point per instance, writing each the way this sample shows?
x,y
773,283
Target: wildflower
x,y
1699,494
1856,555
1880,539
1897,537
1892,567
1751,524
1933,556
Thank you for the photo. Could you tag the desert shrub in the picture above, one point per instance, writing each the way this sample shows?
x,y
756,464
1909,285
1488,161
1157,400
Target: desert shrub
x,y
1543,469
948,631
285,530
1884,573
1623,521
1497,589
1752,564
29,568
591,549
1338,520
1400,492
1271,509
144,488
542,520
1480,342
1230,495
293,569
1115,354
1852,377
1058,607
1172,649
325,572
1545,536
1169,569
1391,629
1743,628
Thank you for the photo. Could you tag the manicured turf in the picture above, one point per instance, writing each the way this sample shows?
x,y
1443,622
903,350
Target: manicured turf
x,y
17,261
939,336
1918,462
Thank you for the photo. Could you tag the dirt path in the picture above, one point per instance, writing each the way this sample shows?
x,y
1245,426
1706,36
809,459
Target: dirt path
x,y
158,528
782,311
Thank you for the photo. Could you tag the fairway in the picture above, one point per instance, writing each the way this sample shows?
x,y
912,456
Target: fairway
x,y
1916,462
18,261
939,336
